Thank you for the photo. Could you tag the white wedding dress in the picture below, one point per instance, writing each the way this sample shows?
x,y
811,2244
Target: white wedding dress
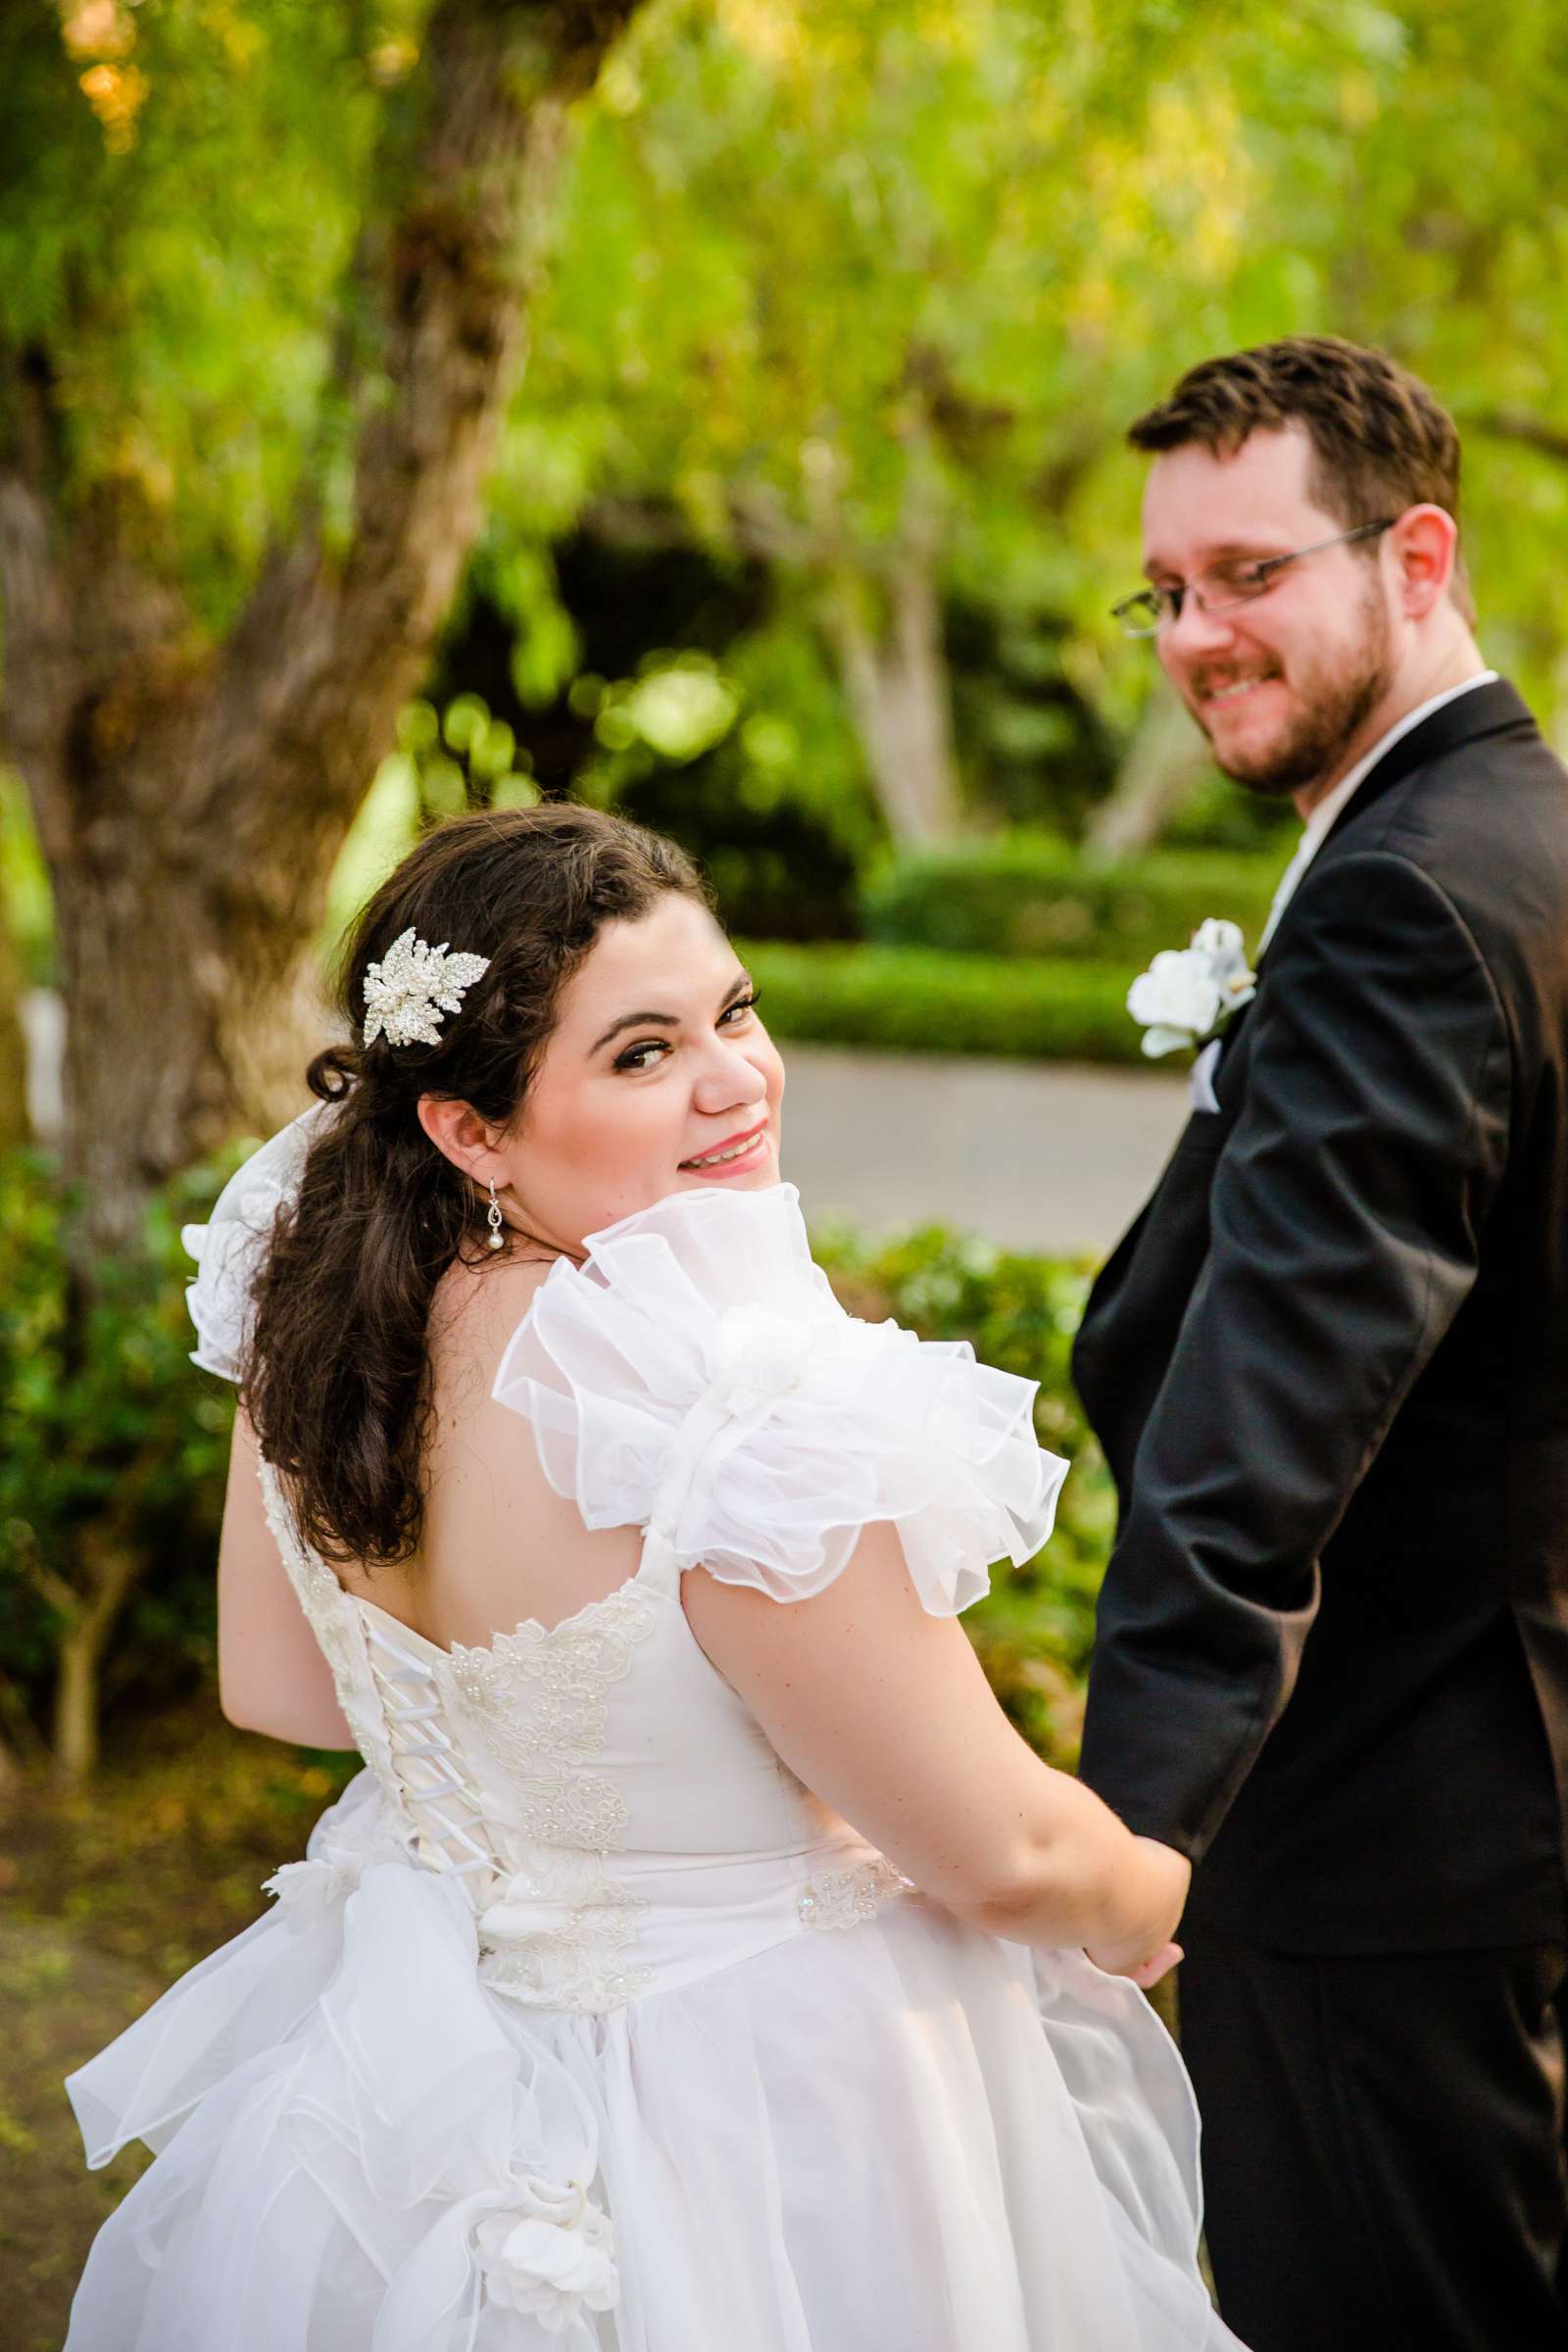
x,y
584,2026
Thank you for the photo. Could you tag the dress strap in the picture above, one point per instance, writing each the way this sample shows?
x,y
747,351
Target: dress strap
x,y
658,1569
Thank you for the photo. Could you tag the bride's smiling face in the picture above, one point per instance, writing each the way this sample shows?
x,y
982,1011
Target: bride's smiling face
x,y
657,1062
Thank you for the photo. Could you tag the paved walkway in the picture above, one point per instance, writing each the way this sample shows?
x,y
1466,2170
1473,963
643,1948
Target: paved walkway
x,y
1036,1155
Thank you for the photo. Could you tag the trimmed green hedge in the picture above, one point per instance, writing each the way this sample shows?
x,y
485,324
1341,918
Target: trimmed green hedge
x,y
1033,894
917,1000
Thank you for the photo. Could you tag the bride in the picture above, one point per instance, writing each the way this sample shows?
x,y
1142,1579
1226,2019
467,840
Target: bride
x,y
699,1964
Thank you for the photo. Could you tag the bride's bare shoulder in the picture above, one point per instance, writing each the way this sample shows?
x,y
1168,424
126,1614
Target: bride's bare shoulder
x,y
499,1542
475,1289
474,1310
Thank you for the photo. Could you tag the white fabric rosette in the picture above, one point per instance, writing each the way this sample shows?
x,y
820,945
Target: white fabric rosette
x,y
230,1247
549,2256
698,1377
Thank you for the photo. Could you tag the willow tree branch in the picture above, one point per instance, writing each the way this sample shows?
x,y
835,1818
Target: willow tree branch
x,y
1520,425
327,651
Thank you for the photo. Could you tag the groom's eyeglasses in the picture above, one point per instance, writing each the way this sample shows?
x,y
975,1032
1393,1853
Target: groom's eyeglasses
x,y
1223,585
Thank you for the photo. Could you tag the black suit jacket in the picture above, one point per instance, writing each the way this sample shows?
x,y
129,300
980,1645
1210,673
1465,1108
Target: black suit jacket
x,y
1329,1367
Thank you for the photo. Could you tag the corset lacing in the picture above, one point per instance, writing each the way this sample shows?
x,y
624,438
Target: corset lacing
x,y
431,1778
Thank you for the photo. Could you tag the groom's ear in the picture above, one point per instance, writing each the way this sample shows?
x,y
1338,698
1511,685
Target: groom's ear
x,y
1424,545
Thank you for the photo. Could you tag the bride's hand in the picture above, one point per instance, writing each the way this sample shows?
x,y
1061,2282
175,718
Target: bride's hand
x,y
1144,1973
1157,1900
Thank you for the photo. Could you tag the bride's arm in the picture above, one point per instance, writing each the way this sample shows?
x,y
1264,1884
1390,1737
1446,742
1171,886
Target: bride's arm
x,y
882,1710
272,1676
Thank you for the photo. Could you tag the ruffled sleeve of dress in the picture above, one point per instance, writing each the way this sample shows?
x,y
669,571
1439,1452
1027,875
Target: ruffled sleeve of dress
x,y
229,1249
697,1376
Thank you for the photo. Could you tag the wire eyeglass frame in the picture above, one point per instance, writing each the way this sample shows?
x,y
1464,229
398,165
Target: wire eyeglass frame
x,y
1147,611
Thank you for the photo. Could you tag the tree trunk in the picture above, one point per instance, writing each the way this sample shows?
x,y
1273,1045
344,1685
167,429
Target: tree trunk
x,y
80,1656
87,1603
1165,763
15,1125
883,622
896,682
190,798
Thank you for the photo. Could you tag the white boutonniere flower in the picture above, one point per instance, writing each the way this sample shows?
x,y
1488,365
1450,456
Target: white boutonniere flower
x,y
1189,994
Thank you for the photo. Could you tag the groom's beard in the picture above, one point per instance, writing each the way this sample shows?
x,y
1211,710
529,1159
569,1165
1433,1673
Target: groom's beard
x,y
1335,704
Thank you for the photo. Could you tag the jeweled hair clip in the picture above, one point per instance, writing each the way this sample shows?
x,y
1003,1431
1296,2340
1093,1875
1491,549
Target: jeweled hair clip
x,y
412,985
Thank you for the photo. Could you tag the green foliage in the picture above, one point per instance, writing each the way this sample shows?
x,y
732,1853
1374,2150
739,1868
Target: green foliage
x,y
24,884
1032,749
833,284
793,266
776,811
832,280
826,271
919,1000
1030,894
184,184
103,1417
747,763
1036,1630
463,758
1220,816
829,277
448,760
683,688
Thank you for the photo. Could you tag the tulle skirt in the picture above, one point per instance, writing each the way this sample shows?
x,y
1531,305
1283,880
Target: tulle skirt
x,y
902,2135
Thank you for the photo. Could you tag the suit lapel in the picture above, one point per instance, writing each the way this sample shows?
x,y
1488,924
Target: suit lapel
x,y
1496,709
1483,711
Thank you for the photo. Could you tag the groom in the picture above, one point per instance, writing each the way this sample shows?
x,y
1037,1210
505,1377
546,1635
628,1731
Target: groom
x,y
1329,1366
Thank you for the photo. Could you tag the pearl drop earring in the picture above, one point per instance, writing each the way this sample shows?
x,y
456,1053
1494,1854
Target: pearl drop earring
x,y
495,1220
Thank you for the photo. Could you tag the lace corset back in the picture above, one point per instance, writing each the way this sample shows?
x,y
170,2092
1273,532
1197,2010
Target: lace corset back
x,y
524,1766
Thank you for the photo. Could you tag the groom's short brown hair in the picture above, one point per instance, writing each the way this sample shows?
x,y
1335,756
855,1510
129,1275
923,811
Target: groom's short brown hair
x,y
1380,441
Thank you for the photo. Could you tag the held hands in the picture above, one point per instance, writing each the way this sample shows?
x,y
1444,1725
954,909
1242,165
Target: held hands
x,y
1149,1972
1154,1896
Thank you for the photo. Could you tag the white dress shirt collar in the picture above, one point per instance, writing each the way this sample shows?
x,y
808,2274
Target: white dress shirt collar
x,y
1319,824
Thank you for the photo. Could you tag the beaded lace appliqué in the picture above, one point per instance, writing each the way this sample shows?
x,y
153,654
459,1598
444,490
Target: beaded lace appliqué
x,y
844,1898
540,1698
556,1933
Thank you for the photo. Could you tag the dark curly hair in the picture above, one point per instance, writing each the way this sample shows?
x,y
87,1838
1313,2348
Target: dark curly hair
x,y
336,1379
1381,442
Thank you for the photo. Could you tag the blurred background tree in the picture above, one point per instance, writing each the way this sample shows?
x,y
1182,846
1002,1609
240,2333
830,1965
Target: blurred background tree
x,y
263,271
